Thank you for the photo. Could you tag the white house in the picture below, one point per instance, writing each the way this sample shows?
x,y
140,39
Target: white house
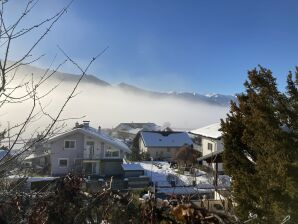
x,y
87,150
209,140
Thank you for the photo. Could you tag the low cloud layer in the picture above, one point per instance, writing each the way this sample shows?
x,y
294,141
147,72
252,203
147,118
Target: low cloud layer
x,y
108,106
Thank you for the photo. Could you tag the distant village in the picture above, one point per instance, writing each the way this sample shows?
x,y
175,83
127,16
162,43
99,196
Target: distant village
x,y
136,156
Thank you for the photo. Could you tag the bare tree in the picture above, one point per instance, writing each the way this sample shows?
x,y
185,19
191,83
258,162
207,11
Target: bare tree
x,y
15,90
186,156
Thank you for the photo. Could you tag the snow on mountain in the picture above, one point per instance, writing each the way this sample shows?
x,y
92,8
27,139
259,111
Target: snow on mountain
x,y
218,99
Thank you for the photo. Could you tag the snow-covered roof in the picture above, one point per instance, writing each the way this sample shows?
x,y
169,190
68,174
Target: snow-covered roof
x,y
210,131
131,166
146,126
185,190
33,156
135,128
134,131
96,134
32,179
212,157
165,139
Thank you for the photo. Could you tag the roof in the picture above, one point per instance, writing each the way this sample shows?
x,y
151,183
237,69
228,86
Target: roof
x,y
185,190
165,139
34,156
96,134
132,125
134,131
32,179
131,166
214,157
210,131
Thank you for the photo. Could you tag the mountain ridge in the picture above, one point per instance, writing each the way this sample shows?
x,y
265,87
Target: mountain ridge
x,y
215,99
219,99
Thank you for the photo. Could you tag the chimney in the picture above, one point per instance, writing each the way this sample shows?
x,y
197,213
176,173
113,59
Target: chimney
x,y
77,124
86,124
99,128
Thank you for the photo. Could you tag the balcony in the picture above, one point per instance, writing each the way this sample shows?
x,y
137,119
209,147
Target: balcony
x,y
91,156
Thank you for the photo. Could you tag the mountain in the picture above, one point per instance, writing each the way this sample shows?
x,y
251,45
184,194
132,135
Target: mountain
x,y
218,99
108,105
57,76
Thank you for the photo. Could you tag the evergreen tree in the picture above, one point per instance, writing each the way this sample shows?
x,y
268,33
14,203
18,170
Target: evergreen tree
x,y
260,139
135,154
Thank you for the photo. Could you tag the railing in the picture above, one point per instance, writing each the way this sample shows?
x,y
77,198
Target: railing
x,y
91,156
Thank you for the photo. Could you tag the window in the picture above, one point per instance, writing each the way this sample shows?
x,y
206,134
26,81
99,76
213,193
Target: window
x,y
63,162
210,146
90,144
102,146
112,153
90,148
69,144
198,140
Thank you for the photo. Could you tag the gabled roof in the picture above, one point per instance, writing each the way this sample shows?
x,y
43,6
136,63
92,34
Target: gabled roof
x,y
95,134
165,139
210,131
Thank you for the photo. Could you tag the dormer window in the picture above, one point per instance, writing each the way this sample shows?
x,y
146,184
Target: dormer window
x,y
69,144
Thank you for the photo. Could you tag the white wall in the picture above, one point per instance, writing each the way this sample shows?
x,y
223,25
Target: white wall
x,y
216,146
58,152
80,152
99,153
142,147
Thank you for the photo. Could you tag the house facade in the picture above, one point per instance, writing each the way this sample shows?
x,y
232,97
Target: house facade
x,y
88,151
162,145
209,140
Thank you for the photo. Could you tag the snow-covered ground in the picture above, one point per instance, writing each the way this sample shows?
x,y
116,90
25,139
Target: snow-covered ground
x,y
161,173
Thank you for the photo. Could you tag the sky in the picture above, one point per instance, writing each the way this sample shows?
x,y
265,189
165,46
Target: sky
x,y
170,45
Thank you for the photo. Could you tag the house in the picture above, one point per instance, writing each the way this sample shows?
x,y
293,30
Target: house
x,y
38,155
162,145
129,131
210,142
87,150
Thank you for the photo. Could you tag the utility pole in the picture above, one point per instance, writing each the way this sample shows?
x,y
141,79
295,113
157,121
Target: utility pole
x,y
8,134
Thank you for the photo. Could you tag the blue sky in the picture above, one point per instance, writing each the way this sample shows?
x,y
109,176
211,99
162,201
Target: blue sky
x,y
199,46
